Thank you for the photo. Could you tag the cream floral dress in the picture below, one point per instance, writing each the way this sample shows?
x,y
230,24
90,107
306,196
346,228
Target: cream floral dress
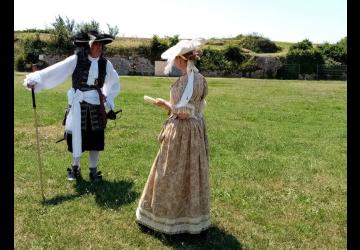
x,y
176,195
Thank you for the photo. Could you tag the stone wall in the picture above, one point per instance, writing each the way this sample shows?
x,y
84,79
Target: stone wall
x,y
268,67
137,65
124,65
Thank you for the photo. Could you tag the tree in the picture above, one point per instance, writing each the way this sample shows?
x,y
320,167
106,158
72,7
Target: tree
x,y
343,44
333,53
157,47
61,34
173,40
68,25
248,66
213,59
233,54
113,31
33,47
303,45
257,43
88,26
304,54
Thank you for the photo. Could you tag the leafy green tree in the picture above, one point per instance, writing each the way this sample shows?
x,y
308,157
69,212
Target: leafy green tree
x,y
343,44
61,35
303,45
213,59
234,57
333,53
306,55
257,43
173,40
88,26
112,31
233,54
33,47
157,47
248,67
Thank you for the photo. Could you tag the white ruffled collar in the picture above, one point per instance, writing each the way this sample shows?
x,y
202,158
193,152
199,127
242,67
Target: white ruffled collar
x,y
93,58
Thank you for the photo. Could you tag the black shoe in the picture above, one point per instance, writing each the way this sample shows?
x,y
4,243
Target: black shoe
x,y
204,234
143,228
95,177
73,173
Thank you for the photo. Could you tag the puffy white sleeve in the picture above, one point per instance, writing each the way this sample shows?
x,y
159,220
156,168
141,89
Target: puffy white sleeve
x,y
53,75
111,87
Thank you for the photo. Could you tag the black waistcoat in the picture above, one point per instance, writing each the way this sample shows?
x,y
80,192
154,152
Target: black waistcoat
x,y
79,81
81,72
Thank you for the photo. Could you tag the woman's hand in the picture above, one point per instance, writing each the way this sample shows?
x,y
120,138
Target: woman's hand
x,y
183,115
162,103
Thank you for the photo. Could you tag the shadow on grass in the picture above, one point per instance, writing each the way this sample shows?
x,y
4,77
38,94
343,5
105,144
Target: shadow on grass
x,y
214,238
107,194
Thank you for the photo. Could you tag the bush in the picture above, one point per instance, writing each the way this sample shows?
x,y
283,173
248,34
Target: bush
x,y
303,45
334,52
258,43
213,59
331,62
304,54
144,51
173,40
33,47
233,54
343,44
157,47
248,66
113,31
61,36
91,26
20,63
46,31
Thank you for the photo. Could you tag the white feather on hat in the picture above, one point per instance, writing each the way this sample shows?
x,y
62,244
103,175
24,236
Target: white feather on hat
x,y
88,38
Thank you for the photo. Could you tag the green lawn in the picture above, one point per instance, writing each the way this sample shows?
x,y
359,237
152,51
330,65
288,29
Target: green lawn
x,y
277,168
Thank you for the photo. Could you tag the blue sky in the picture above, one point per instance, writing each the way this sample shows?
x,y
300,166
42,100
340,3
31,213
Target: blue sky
x,y
280,20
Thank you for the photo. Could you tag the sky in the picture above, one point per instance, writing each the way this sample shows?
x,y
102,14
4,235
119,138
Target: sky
x,y
279,20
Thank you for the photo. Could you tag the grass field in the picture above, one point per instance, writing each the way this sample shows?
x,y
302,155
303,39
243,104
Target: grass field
x,y
277,168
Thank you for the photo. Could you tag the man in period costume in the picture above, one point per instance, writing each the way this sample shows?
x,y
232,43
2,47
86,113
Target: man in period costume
x,y
95,84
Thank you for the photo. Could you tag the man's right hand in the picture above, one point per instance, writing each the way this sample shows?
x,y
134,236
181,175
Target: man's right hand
x,y
31,84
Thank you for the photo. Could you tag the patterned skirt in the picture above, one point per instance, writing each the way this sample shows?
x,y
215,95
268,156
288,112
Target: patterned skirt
x,y
175,198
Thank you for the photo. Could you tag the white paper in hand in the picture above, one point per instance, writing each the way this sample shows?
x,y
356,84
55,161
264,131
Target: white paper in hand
x,y
149,99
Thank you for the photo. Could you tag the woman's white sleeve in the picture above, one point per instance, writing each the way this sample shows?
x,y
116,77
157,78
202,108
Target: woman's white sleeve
x,y
111,86
53,75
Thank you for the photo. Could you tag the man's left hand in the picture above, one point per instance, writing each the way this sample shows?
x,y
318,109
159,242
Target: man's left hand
x,y
111,115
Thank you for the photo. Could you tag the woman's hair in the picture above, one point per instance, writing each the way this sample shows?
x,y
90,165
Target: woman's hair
x,y
192,55
84,50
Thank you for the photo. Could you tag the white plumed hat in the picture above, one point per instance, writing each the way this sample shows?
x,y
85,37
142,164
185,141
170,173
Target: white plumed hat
x,y
181,48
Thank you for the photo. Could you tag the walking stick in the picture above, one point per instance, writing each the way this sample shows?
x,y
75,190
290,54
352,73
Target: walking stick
x,y
37,144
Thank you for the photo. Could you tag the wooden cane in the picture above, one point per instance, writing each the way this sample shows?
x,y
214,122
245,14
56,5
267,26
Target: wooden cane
x,y
37,143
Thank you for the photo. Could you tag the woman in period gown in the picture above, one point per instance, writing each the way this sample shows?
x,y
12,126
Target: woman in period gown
x,y
176,196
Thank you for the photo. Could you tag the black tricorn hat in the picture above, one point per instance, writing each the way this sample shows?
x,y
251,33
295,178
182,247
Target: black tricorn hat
x,y
87,38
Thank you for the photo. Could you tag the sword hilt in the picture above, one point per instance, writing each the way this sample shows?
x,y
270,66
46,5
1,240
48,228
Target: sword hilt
x,y
120,110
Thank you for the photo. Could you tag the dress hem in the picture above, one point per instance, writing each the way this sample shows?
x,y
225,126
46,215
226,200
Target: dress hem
x,y
173,226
